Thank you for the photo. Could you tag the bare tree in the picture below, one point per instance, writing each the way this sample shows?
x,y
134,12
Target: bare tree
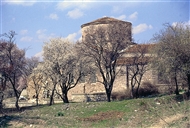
x,y
34,75
37,80
3,82
13,64
138,65
65,66
46,77
3,79
31,64
104,45
173,52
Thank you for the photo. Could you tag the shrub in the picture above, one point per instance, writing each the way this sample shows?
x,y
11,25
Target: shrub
x,y
60,114
120,95
148,89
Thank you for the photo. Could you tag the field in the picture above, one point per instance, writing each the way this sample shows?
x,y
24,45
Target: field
x,y
160,111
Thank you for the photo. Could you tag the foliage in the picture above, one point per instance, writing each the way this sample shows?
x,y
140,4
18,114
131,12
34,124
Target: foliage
x,y
12,65
173,52
63,66
60,114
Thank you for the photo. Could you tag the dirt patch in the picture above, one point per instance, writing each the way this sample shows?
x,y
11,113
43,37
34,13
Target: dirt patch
x,y
103,116
166,121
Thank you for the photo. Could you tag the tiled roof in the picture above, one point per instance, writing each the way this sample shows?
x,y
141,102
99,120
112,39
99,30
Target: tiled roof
x,y
133,61
104,20
136,48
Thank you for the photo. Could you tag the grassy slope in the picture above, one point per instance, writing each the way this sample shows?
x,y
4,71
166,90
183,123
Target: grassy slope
x,y
145,112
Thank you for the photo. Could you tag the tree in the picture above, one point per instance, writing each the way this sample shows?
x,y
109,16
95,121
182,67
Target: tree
x,y
13,64
104,45
138,65
3,79
31,64
44,74
64,65
37,80
3,82
173,52
34,75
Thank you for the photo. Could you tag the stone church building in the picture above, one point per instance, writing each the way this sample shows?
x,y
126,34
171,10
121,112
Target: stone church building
x,y
89,85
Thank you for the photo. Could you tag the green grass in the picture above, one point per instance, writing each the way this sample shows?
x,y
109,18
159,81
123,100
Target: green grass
x,y
142,112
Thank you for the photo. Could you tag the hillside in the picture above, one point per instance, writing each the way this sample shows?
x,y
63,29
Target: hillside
x,y
161,111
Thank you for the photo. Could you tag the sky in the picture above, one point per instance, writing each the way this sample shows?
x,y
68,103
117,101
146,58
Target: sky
x,y
37,21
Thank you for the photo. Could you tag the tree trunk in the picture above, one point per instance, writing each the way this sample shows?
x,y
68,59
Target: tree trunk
x,y
37,100
132,92
1,104
1,99
17,93
51,98
16,104
188,81
137,92
176,85
138,82
127,76
108,93
65,98
108,90
51,101
17,99
133,85
52,95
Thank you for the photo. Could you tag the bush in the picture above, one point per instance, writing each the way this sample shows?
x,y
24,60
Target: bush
x,y
121,95
60,114
148,89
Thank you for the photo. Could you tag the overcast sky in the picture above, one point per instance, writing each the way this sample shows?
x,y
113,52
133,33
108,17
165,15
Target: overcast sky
x,y
37,21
